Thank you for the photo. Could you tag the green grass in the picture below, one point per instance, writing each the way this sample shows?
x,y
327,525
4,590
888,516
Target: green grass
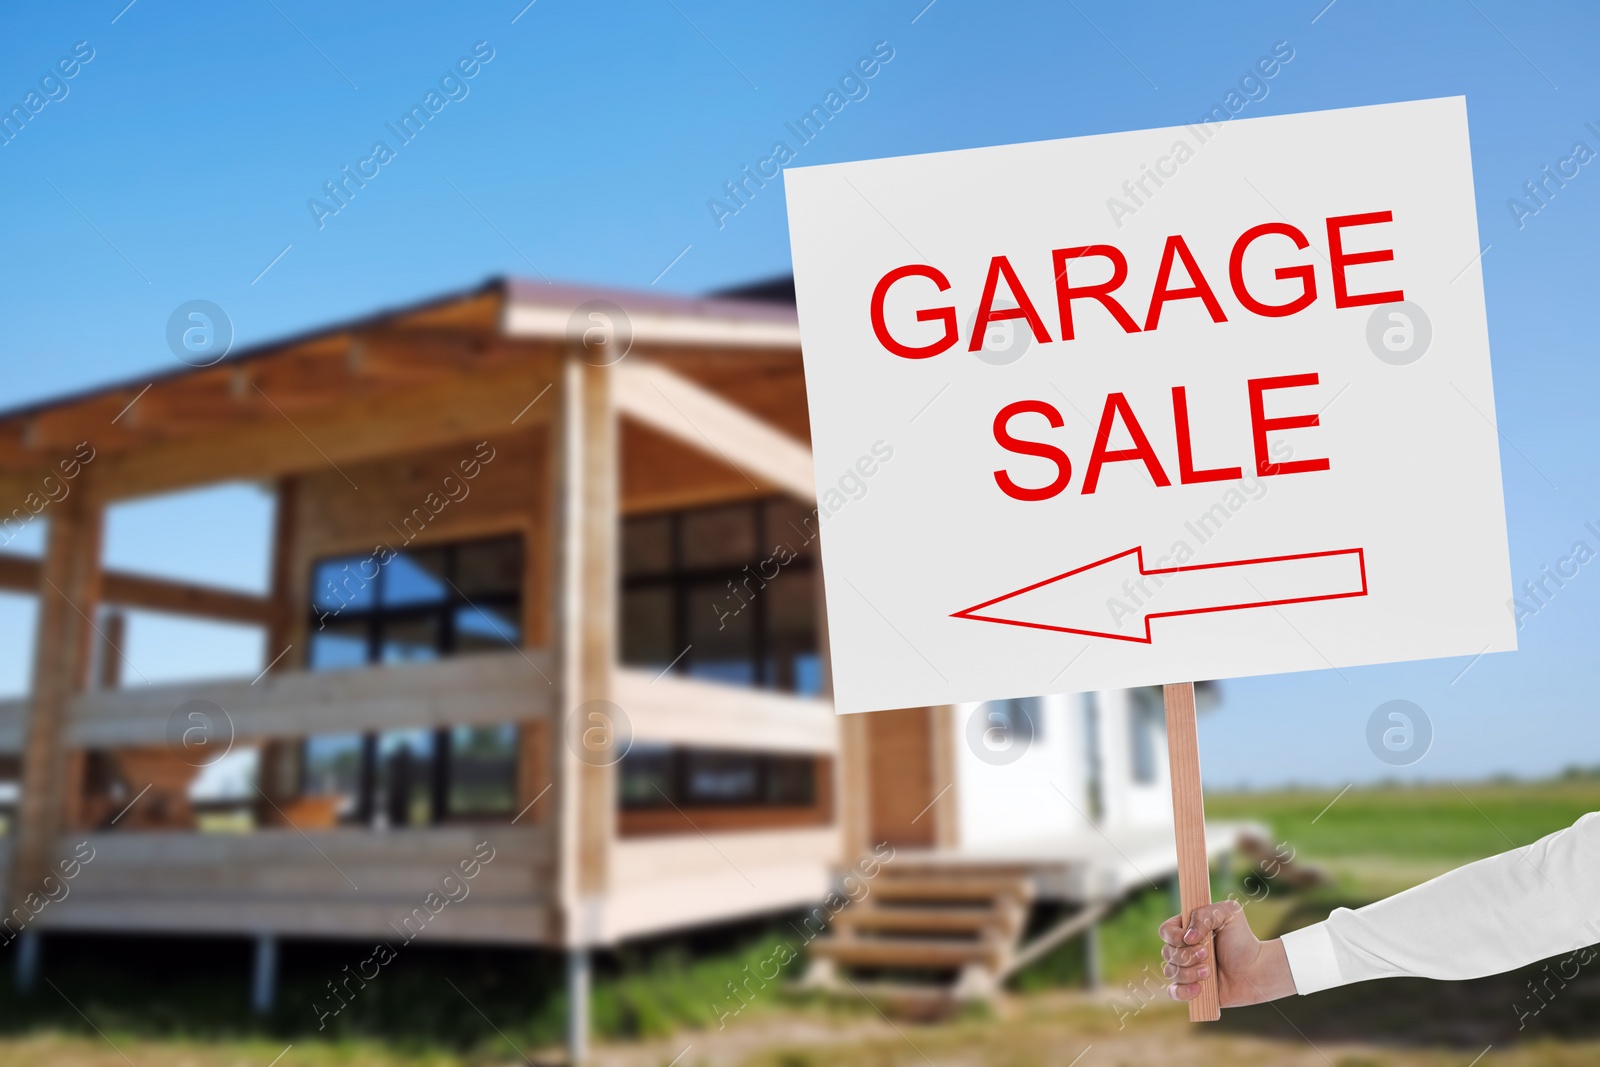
x,y
470,1002
1400,834
1434,821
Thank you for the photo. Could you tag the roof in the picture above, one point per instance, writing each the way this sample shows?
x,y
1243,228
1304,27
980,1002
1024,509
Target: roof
x,y
750,305
252,352
474,317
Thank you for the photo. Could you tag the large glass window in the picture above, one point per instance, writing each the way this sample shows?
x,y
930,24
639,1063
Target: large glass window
x,y
414,606
417,604
661,776
414,777
726,593
482,770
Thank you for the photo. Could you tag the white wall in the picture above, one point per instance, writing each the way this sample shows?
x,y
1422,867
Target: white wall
x,y
1046,791
1129,802
1042,793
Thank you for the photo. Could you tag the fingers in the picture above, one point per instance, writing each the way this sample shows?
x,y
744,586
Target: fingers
x,y
1181,991
1208,919
1188,956
1184,952
1183,974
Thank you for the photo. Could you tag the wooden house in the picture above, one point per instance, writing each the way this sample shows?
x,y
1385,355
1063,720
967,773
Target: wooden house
x,y
544,576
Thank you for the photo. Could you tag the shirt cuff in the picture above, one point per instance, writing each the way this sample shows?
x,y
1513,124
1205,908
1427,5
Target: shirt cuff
x,y
1312,962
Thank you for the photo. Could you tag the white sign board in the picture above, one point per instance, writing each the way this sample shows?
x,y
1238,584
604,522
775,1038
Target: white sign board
x,y
1149,407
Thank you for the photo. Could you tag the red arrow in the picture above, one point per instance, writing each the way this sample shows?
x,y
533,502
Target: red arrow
x,y
1116,597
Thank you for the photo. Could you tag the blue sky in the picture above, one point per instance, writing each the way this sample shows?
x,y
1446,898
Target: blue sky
x,y
179,165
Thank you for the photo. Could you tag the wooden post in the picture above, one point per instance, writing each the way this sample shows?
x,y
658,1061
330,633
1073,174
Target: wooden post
x,y
1189,824
596,611
946,810
113,638
278,780
288,605
69,594
586,484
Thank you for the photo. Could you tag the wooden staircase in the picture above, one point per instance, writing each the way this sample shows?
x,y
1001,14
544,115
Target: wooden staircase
x,y
931,932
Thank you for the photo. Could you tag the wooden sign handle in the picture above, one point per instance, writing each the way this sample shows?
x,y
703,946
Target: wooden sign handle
x,y
1189,823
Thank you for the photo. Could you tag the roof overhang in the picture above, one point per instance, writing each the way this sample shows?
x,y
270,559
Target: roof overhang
x,y
562,312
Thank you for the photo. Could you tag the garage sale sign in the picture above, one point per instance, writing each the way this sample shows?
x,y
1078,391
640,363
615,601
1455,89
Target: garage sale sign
x,y
1198,402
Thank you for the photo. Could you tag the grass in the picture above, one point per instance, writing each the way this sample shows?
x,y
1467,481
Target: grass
x,y
184,1002
1373,840
1444,822
472,1003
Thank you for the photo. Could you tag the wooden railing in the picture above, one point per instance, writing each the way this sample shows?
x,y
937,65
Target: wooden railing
x,y
464,690
669,709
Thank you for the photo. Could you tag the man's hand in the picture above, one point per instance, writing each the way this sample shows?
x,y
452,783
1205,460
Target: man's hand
x,y
1248,971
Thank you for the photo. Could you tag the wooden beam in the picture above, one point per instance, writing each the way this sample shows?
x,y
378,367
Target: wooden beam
x,y
311,371
21,574
369,426
69,594
674,405
183,598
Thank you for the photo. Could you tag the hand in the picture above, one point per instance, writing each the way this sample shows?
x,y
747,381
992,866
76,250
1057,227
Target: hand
x,y
1249,971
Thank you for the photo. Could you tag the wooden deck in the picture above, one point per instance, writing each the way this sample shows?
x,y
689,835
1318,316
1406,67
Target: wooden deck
x,y
357,882
330,883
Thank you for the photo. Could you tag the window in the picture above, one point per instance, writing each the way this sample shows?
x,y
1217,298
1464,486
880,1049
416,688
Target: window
x,y
1147,719
660,776
223,794
335,768
482,776
407,770
10,791
415,777
416,605
726,593
1009,721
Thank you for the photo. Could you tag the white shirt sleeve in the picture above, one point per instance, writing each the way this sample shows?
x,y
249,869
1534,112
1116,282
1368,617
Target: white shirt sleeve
x,y
1487,917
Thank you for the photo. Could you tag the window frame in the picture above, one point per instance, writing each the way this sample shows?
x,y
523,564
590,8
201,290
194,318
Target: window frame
x,y
370,796
766,764
378,618
679,579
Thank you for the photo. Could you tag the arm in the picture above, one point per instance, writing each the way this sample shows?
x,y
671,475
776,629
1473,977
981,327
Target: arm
x,y
1487,917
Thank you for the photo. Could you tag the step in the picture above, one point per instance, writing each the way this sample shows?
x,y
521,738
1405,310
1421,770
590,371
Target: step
x,y
907,952
911,868
932,919
946,887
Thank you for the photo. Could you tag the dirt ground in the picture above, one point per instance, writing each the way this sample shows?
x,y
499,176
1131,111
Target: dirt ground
x,y
1381,1025
1373,1029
